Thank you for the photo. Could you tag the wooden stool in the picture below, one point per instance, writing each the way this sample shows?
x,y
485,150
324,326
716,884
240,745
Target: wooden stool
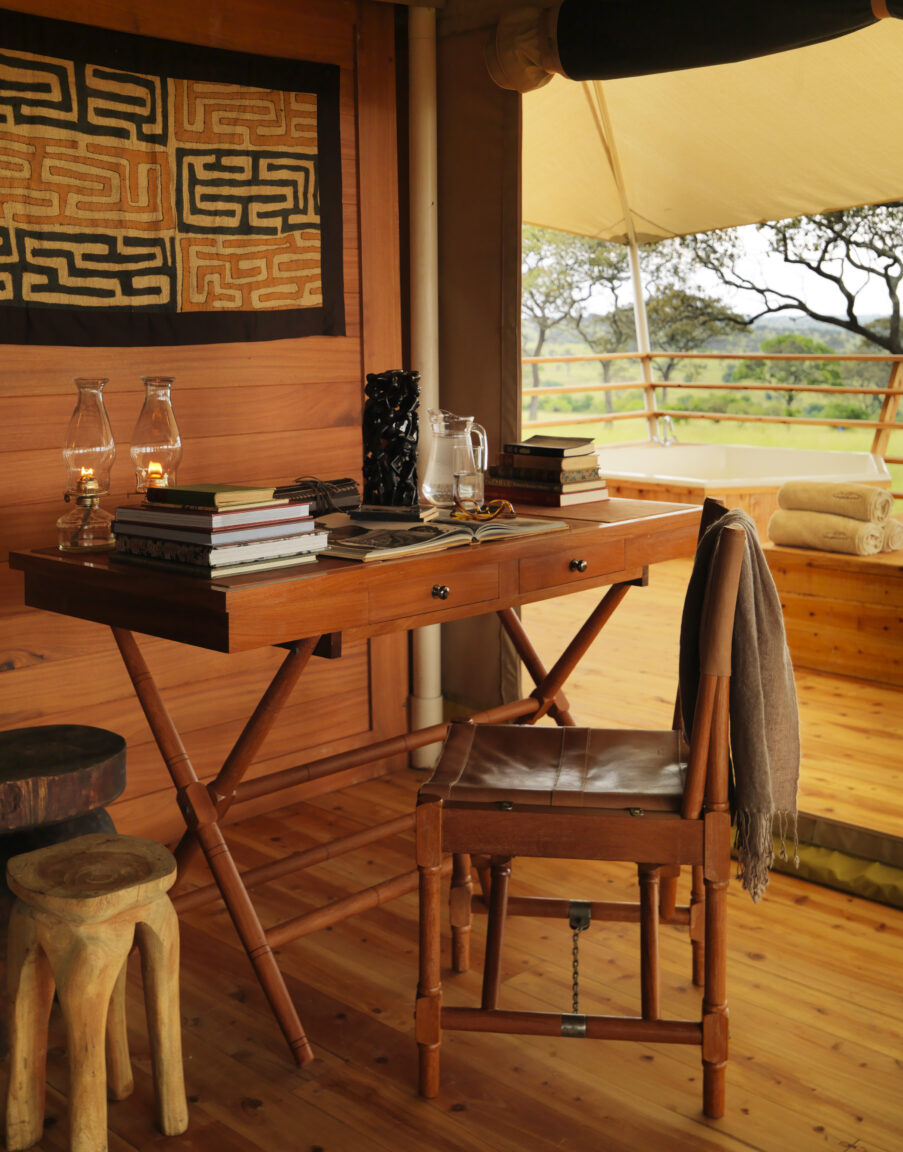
x,y
81,905
54,782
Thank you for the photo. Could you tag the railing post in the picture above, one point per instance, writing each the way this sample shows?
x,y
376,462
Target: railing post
x,y
889,408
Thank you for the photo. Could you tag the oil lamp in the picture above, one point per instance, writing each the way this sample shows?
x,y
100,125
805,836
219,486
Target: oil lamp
x,y
156,444
88,455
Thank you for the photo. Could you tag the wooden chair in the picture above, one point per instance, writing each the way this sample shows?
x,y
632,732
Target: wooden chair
x,y
575,793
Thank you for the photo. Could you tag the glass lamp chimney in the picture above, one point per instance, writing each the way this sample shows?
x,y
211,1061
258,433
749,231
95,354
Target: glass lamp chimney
x,y
88,455
156,444
89,438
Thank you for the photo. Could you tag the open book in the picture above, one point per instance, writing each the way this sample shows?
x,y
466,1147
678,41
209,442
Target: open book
x,y
362,542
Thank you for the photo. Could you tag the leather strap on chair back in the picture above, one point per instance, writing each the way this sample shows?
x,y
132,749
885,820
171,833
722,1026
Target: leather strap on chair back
x,y
715,635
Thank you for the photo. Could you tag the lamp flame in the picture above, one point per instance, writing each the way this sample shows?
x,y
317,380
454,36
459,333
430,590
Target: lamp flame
x,y
155,476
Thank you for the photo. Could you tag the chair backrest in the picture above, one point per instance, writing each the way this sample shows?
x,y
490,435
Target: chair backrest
x,y
712,511
707,769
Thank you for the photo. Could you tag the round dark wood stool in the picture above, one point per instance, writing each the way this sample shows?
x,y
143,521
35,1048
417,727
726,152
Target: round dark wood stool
x,y
55,780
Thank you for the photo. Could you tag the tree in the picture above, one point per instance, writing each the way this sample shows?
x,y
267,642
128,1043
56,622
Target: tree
x,y
844,249
795,373
681,321
560,273
613,332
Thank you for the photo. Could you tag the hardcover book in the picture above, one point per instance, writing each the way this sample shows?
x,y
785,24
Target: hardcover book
x,y
543,465
550,482
206,519
214,557
545,498
205,572
213,537
552,446
209,495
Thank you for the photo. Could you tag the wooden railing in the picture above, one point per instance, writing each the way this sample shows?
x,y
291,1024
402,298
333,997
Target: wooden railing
x,y
652,411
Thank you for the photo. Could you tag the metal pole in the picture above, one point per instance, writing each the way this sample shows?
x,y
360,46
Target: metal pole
x,y
426,673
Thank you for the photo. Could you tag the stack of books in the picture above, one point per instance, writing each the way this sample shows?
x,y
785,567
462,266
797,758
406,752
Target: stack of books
x,y
213,530
554,471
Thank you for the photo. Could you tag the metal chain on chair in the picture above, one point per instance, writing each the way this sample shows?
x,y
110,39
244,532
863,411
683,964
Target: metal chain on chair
x,y
579,914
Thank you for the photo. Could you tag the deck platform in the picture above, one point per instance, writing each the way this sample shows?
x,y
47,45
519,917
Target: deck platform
x,y
843,614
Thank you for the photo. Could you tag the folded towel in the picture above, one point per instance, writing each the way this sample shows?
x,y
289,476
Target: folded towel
x,y
892,535
826,532
859,501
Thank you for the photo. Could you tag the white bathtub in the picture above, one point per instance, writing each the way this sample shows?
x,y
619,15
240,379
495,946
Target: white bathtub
x,y
738,475
736,466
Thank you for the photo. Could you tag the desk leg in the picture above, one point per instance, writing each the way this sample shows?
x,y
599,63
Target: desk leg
x,y
559,709
201,817
246,747
549,684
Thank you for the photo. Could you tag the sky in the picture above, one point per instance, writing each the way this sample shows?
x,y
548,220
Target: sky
x,y
871,298
764,267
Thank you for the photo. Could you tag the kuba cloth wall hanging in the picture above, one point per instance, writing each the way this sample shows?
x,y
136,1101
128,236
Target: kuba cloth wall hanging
x,y
153,192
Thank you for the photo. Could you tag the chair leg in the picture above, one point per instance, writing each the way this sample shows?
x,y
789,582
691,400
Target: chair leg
x,y
31,990
697,926
120,1081
481,865
460,911
667,900
650,978
495,931
158,941
715,1022
428,1013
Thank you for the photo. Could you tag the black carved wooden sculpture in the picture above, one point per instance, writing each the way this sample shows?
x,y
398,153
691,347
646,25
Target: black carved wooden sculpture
x,y
390,431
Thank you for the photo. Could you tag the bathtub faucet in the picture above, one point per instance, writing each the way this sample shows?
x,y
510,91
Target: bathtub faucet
x,y
666,434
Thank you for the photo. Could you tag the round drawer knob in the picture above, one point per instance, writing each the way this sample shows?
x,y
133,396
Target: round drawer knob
x,y
578,565
441,591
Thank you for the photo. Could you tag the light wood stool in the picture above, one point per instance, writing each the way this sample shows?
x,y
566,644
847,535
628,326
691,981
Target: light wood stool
x,y
81,905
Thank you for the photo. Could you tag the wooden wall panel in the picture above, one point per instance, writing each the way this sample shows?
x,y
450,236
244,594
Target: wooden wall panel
x,y
264,412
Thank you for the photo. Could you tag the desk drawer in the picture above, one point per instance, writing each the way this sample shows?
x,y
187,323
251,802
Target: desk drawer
x,y
581,562
414,597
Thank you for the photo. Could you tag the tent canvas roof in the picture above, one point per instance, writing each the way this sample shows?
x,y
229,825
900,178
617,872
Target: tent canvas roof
x,y
794,133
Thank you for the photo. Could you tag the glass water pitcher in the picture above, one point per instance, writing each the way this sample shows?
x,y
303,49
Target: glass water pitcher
x,y
459,455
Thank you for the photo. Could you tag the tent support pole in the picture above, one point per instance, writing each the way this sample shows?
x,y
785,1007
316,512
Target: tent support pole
x,y
426,658
643,344
599,109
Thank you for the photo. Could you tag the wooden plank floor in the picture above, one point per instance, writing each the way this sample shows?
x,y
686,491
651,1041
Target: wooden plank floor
x,y
813,977
817,1023
852,765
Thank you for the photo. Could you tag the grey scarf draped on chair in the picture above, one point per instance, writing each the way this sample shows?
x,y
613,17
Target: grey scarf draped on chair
x,y
764,717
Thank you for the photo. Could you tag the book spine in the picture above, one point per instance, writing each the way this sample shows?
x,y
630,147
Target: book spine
x,y
215,537
210,498
171,497
542,497
549,464
205,555
529,477
174,551
545,451
530,450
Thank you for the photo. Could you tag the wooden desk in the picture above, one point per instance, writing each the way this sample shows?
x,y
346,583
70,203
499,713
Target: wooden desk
x,y
309,610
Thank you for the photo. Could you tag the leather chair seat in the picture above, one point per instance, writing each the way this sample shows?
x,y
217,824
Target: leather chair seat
x,y
560,767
